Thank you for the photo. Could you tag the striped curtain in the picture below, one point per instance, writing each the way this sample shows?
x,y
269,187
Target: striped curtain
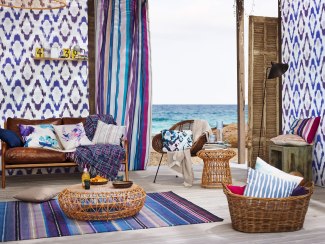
x,y
123,71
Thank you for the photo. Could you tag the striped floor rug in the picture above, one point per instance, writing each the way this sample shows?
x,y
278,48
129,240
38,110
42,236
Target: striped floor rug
x,y
23,221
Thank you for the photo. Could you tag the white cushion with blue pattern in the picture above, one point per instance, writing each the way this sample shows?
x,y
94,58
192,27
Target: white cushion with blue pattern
x,y
267,186
174,140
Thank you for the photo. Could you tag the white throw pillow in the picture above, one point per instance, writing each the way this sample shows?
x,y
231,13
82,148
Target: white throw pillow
x,y
39,136
108,133
72,136
266,168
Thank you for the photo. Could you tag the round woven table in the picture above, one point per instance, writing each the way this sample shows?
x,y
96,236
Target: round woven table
x,y
103,202
216,167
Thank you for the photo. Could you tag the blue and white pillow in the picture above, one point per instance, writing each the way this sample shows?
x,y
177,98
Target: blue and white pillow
x,y
267,186
266,168
39,136
174,140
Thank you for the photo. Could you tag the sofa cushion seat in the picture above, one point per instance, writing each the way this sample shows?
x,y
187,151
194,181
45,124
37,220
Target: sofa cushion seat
x,y
20,155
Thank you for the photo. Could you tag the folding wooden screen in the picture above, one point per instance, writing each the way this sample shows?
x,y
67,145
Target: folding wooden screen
x,y
263,48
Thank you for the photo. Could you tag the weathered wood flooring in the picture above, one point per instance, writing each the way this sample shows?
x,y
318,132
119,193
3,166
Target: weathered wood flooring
x,y
211,199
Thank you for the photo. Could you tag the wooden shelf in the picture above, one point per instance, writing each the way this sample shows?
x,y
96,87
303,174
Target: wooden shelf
x,y
61,59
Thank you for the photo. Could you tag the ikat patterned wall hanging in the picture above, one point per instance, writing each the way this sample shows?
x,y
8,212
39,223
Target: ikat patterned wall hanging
x,y
303,93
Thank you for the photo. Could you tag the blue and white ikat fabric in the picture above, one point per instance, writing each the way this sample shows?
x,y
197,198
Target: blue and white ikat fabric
x,y
303,94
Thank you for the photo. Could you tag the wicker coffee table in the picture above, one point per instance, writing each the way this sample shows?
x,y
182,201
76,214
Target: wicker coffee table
x,y
216,167
102,202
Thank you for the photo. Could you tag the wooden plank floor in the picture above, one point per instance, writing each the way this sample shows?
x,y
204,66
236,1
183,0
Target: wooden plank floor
x,y
212,200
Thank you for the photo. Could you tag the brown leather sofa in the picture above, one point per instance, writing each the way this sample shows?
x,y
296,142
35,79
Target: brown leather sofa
x,y
24,157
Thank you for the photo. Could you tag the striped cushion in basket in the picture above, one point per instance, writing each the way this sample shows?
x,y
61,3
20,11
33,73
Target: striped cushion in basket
x,y
306,128
267,186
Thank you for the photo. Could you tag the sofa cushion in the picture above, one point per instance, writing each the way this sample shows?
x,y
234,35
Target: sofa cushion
x,y
12,123
11,138
92,120
33,155
108,133
72,136
39,136
69,121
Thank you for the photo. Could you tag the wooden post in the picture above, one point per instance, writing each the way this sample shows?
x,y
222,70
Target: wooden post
x,y
240,80
91,55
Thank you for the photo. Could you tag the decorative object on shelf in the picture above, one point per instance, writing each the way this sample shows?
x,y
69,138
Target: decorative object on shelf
x,y
34,5
55,51
39,52
65,53
276,70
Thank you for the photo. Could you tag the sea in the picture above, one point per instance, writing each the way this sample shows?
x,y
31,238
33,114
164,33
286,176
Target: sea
x,y
164,116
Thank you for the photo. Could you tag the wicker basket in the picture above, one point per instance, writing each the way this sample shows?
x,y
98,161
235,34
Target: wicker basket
x,y
252,215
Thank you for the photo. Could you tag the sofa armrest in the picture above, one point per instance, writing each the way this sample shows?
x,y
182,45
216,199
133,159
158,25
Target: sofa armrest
x,y
3,151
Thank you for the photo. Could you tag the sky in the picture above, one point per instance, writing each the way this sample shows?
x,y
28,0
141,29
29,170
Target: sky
x,y
193,49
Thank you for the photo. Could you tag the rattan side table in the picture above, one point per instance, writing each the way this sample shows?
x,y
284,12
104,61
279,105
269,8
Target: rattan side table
x,y
103,202
216,167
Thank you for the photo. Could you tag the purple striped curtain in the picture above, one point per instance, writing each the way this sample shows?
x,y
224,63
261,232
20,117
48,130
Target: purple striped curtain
x,y
123,71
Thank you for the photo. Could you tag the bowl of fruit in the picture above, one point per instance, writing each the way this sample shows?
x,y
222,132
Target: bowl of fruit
x,y
98,180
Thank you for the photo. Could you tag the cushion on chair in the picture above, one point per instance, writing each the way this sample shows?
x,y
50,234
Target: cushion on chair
x,y
72,135
267,186
306,128
174,140
289,140
11,138
266,168
108,134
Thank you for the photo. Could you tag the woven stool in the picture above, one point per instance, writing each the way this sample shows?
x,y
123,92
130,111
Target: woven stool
x,y
216,167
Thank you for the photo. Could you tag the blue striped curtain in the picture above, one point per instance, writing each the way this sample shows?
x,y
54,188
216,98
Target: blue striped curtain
x,y
123,71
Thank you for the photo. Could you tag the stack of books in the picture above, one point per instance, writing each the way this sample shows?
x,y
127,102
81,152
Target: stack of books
x,y
215,145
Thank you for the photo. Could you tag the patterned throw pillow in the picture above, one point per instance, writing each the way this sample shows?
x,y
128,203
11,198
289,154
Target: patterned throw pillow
x,y
289,140
72,136
108,133
266,168
267,186
306,128
92,121
39,136
174,140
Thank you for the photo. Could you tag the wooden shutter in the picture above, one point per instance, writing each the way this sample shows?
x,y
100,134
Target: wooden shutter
x,y
263,48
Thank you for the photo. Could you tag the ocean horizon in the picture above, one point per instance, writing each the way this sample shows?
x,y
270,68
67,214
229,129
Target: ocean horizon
x,y
166,115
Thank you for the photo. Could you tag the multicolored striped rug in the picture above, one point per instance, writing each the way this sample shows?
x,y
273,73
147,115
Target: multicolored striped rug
x,y
23,221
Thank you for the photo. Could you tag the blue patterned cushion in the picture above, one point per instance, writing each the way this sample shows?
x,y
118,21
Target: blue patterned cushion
x,y
267,186
174,140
